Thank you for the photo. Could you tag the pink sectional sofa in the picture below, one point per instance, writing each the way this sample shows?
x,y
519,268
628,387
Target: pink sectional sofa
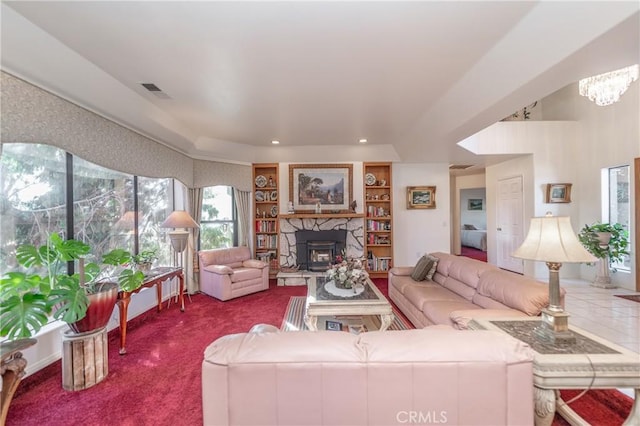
x,y
464,288
436,375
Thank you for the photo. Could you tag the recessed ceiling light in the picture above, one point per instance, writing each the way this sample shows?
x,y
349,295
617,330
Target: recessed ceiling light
x,y
362,141
275,142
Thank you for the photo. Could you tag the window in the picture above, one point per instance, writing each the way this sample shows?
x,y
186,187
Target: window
x,y
35,202
154,206
33,198
618,208
100,199
218,226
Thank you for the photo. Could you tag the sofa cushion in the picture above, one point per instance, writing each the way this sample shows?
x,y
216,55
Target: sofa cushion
x,y
401,283
432,271
438,312
422,268
515,291
244,274
419,294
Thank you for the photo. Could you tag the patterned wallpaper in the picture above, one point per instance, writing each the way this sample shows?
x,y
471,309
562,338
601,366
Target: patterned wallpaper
x,y
33,115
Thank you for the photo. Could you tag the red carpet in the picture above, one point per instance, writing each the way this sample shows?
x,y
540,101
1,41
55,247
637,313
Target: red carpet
x,y
158,381
473,253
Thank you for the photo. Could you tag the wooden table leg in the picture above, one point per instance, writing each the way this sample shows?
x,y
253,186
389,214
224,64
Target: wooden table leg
x,y
181,291
123,307
544,406
159,295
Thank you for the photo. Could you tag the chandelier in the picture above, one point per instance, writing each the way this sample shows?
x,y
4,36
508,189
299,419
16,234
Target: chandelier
x,y
605,89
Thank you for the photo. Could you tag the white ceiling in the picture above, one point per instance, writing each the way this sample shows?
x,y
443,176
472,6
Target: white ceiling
x,y
414,78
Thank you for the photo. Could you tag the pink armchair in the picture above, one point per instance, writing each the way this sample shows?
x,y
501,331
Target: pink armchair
x,y
231,272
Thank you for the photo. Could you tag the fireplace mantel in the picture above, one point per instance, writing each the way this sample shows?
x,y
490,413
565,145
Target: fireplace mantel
x,y
321,216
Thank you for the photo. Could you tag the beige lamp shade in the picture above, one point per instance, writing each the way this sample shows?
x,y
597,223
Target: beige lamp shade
x,y
179,219
551,239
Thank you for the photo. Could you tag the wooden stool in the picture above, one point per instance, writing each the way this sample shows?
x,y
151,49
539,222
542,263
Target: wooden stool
x,y
85,359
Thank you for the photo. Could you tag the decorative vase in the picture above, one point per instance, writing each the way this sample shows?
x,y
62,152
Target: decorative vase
x,y
344,285
99,311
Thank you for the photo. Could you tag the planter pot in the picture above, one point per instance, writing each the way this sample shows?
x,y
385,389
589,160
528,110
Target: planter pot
x,y
604,238
100,309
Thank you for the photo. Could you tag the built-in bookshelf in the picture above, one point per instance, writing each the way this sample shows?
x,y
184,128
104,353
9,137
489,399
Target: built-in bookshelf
x,y
266,194
378,210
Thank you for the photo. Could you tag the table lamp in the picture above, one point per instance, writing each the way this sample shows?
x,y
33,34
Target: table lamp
x,y
551,239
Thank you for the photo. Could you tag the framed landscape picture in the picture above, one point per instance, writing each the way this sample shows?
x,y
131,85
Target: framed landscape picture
x,y
558,193
421,197
327,184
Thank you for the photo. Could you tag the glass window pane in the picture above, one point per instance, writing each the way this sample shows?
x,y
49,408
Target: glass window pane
x,y
154,204
218,223
619,206
33,197
101,199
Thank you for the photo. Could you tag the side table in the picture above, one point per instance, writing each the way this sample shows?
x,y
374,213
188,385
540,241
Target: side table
x,y
12,366
590,363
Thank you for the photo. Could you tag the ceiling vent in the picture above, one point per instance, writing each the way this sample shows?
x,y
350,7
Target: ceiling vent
x,y
155,90
460,166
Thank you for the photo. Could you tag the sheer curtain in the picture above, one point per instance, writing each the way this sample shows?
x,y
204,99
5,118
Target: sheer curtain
x,y
195,210
243,205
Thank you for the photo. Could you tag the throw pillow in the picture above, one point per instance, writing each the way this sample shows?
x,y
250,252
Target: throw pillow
x,y
470,227
432,271
422,268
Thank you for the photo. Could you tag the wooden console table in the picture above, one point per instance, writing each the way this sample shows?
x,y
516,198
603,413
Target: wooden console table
x,y
155,278
590,363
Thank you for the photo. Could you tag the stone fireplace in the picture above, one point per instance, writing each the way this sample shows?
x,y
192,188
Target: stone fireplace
x,y
316,250
293,227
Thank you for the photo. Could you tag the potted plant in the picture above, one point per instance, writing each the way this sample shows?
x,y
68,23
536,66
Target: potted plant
x,y
84,300
144,260
609,243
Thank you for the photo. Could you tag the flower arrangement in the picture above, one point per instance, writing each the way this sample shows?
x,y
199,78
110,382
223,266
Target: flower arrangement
x,y
347,273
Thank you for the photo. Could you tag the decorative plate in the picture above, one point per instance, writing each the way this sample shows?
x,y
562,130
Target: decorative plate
x,y
274,195
259,196
370,179
274,211
261,181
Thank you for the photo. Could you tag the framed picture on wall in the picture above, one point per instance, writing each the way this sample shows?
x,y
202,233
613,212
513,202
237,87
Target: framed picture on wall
x,y
475,204
558,193
421,197
330,185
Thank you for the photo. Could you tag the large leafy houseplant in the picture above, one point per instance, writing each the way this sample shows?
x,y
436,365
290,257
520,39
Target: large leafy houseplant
x,y
27,298
617,247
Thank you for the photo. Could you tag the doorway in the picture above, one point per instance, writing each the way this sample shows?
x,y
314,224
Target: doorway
x,y
473,223
509,221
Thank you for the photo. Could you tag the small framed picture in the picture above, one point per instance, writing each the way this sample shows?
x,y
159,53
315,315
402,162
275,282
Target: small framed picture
x,y
474,204
558,193
334,326
421,197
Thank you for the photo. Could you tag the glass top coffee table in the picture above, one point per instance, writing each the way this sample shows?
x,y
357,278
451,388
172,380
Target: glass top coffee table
x,y
324,299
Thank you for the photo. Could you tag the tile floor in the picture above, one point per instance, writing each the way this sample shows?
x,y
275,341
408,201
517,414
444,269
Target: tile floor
x,y
598,311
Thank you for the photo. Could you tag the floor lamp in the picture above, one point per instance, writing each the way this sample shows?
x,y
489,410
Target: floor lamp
x,y
180,238
551,240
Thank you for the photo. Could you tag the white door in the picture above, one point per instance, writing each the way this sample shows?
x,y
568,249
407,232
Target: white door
x,y
509,233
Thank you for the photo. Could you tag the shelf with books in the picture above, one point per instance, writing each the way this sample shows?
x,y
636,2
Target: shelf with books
x,y
265,197
378,210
